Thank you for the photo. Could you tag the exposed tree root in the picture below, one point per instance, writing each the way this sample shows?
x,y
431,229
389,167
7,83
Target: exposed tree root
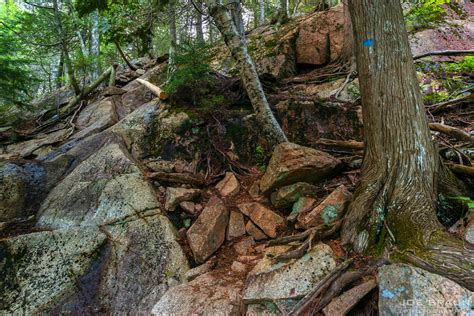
x,y
452,132
461,170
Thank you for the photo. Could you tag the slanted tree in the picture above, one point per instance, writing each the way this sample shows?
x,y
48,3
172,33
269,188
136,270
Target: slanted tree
x,y
395,200
236,44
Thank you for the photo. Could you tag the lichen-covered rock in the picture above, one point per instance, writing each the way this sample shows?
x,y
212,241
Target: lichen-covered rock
x,y
270,222
229,185
207,233
294,279
144,261
209,294
302,206
21,189
286,196
328,211
40,269
105,187
291,163
406,290
174,196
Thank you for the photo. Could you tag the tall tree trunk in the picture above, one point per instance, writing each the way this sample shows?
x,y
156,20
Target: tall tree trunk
x,y
173,37
395,200
283,13
60,72
95,44
64,48
82,42
237,17
261,19
238,48
199,32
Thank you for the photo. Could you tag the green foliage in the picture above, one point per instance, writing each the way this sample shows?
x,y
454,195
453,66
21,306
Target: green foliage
x,y
464,66
191,80
261,158
465,200
15,71
425,13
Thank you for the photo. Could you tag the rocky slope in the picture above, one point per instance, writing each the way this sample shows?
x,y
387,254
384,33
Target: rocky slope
x,y
131,205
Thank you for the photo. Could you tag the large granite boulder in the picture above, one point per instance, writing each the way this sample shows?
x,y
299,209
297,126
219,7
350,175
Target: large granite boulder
x,y
291,163
105,187
406,290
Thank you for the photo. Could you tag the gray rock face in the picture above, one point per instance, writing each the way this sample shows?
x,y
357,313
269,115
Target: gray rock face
x,y
208,294
21,187
40,269
105,187
406,290
294,279
207,233
97,116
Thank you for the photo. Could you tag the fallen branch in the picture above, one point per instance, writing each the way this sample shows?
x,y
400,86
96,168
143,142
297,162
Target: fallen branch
x,y
446,105
345,302
461,170
451,131
349,144
307,304
155,89
445,53
87,90
183,178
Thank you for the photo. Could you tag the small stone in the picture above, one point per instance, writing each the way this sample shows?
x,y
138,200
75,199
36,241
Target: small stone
x,y
207,233
236,225
238,267
188,207
174,196
160,165
330,210
200,270
254,190
247,259
254,231
198,207
140,72
285,196
270,222
229,185
303,206
245,246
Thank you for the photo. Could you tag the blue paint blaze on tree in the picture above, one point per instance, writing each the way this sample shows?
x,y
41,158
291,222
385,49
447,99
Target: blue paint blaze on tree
x,y
368,42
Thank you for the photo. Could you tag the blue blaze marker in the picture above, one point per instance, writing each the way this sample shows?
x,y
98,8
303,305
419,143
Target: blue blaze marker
x,y
368,42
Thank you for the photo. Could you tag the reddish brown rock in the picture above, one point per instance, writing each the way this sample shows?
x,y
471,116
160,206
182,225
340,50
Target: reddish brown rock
x,y
245,246
270,222
303,206
236,225
229,185
174,196
207,233
254,231
238,267
330,210
188,207
291,163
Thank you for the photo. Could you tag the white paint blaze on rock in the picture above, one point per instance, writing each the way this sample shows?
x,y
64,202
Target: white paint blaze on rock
x,y
294,279
406,290
229,185
207,233
291,163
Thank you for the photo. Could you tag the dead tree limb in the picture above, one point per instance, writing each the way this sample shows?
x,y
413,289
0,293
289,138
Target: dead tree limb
x,y
451,131
155,89
183,178
461,170
349,144
445,53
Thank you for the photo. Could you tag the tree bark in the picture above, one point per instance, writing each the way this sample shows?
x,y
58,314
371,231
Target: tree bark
x,y
261,19
199,32
237,17
173,38
60,72
252,84
65,49
395,200
124,57
95,45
